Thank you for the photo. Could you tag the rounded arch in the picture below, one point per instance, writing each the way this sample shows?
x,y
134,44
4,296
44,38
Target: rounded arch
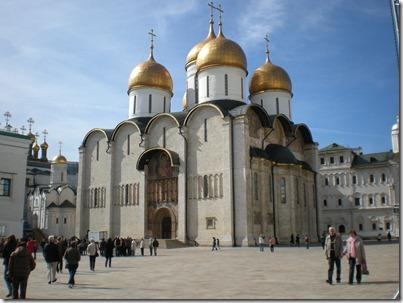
x,y
305,132
257,109
147,154
164,223
105,132
118,127
202,105
285,123
158,116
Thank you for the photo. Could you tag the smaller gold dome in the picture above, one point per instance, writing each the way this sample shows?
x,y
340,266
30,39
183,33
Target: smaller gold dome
x,y
31,136
269,77
59,159
150,74
44,145
35,147
221,51
185,101
194,52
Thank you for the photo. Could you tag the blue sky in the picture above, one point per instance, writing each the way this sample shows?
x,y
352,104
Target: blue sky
x,y
66,63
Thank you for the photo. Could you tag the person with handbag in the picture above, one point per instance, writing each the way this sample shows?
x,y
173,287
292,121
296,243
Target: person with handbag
x,y
92,252
355,253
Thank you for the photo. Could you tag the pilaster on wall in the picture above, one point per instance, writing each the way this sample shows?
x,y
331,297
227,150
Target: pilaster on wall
x,y
182,197
109,189
81,212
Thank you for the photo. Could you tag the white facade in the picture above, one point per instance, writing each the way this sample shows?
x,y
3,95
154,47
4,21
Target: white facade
x,y
221,83
395,136
58,174
358,191
275,102
148,101
191,83
13,167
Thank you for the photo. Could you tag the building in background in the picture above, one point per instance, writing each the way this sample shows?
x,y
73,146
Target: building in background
x,y
360,191
13,168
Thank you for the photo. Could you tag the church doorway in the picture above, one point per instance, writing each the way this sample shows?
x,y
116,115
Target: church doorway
x,y
163,224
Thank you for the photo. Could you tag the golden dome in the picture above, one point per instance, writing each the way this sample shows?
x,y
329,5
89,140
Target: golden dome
x,y
194,52
185,101
44,145
150,74
221,51
59,159
35,147
31,136
268,77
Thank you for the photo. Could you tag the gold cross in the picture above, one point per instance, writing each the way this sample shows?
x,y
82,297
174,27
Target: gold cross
x,y
30,122
216,8
45,132
152,35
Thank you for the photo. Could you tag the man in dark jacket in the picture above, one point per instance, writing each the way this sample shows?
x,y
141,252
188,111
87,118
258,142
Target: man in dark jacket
x,y
51,254
9,247
20,266
72,256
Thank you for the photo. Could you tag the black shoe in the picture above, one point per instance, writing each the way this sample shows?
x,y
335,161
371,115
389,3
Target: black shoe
x,y
9,295
329,282
49,282
338,281
54,280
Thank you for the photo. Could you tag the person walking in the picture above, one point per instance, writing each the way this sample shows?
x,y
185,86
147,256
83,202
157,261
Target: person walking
x,y
155,246
297,240
217,243
307,240
150,245
102,247
109,246
292,240
213,247
72,257
9,246
323,240
261,243
51,255
133,245
142,246
333,253
20,266
92,252
356,256
272,242
389,236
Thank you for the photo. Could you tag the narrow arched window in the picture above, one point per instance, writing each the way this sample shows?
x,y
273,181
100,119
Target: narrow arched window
x,y
134,104
95,197
205,130
256,186
165,103
277,106
261,102
205,186
226,84
164,142
128,144
242,88
196,89
208,86
97,150
150,100
371,178
127,194
283,195
61,177
383,177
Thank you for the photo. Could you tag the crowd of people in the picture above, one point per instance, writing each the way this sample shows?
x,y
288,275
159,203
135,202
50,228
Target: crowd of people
x,y
19,255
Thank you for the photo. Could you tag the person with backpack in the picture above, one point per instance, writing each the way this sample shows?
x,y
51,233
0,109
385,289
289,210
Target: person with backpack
x,y
92,252
72,257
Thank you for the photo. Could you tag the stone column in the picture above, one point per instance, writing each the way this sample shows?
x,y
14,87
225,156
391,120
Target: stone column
x,y
81,210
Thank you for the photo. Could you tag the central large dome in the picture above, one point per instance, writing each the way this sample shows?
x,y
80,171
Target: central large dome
x,y
150,74
221,51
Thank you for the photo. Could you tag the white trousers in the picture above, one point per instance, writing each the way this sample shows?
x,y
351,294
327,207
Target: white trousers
x,y
52,271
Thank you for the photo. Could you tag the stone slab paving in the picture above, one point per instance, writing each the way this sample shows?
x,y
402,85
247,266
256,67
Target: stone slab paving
x,y
232,273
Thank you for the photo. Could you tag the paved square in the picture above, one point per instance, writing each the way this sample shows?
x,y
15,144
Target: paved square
x,y
232,273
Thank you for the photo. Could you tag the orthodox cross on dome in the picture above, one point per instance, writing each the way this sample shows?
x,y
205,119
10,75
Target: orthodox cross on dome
x,y
266,38
211,4
220,11
60,147
45,132
23,129
37,136
152,35
30,122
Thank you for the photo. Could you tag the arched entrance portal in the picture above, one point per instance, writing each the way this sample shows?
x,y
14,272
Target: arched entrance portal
x,y
164,224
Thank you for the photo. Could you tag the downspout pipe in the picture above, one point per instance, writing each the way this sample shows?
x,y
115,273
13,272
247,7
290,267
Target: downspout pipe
x,y
232,181
186,178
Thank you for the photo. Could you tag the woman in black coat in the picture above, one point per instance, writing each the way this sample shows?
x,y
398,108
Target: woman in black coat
x,y
109,251
9,247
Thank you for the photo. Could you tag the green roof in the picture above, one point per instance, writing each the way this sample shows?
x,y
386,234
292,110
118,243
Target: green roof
x,y
15,135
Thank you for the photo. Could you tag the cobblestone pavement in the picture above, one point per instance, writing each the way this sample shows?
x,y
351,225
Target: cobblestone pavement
x,y
232,273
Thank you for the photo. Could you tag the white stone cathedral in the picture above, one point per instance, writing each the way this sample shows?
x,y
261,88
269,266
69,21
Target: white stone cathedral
x,y
223,167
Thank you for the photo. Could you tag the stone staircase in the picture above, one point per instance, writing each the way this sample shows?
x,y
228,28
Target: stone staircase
x,y
171,243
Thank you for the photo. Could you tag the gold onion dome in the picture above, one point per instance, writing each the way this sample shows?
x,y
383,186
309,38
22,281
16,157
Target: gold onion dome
x,y
35,147
194,52
44,145
221,51
59,159
269,77
31,136
150,74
